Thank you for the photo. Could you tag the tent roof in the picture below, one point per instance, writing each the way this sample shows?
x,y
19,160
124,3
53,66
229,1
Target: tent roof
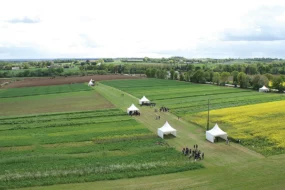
x,y
264,88
166,128
215,131
133,108
144,99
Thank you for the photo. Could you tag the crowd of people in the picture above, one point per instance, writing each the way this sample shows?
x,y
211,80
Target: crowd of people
x,y
164,109
193,153
148,104
131,113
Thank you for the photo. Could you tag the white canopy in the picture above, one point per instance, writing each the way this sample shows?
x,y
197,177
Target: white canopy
x,y
90,83
263,89
143,100
216,132
132,108
165,130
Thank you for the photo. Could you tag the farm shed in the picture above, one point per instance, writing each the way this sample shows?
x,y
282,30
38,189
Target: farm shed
x,y
216,132
165,130
263,89
132,108
143,100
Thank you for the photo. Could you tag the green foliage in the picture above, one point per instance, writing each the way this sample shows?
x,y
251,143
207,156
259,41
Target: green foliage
x,y
216,78
259,81
198,77
243,80
182,77
278,83
225,77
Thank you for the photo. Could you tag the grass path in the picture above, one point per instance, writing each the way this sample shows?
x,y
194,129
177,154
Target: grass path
x,y
227,166
187,134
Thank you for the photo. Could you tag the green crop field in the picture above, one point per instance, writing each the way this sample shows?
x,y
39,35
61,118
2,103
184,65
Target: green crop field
x,y
81,146
30,91
85,140
60,102
184,98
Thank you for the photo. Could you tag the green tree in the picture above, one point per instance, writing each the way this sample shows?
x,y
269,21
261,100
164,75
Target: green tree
x,y
277,83
269,76
26,66
182,77
225,77
216,78
235,77
243,80
259,81
172,74
175,75
207,76
145,59
198,76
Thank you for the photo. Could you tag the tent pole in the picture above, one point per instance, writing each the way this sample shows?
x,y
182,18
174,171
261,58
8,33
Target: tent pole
x,y
208,114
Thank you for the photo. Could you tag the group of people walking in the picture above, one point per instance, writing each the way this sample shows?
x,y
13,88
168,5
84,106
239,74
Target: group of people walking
x,y
134,113
195,153
164,109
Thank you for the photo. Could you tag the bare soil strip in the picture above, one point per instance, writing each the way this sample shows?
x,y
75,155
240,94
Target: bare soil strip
x,y
46,81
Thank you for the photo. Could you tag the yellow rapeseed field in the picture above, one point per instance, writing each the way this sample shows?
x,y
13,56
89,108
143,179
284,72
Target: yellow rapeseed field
x,y
260,126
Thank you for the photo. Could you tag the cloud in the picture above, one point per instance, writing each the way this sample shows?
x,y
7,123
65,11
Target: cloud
x,y
204,28
25,20
261,24
231,49
20,52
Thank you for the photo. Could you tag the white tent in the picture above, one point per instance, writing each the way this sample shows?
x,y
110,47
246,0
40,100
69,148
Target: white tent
x,y
132,108
263,89
91,83
165,130
143,100
216,132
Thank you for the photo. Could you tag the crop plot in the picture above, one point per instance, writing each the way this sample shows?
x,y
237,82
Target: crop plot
x,y
30,91
81,146
259,126
184,98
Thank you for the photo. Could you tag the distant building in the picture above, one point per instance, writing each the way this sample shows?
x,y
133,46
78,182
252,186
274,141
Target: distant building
x,y
15,68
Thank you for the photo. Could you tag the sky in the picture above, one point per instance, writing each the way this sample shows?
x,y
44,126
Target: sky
x,y
33,29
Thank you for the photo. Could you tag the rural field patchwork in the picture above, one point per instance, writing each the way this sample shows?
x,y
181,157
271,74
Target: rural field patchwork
x,y
260,126
184,98
82,146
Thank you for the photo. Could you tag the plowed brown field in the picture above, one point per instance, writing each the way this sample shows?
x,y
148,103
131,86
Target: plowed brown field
x,y
46,81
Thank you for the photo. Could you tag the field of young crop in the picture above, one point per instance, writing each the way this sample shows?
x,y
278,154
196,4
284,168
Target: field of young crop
x,y
84,146
30,91
260,126
60,102
184,98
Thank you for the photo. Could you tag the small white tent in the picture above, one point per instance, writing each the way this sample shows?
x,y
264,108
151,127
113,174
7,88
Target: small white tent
x,y
165,130
263,89
216,132
91,83
143,100
132,108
